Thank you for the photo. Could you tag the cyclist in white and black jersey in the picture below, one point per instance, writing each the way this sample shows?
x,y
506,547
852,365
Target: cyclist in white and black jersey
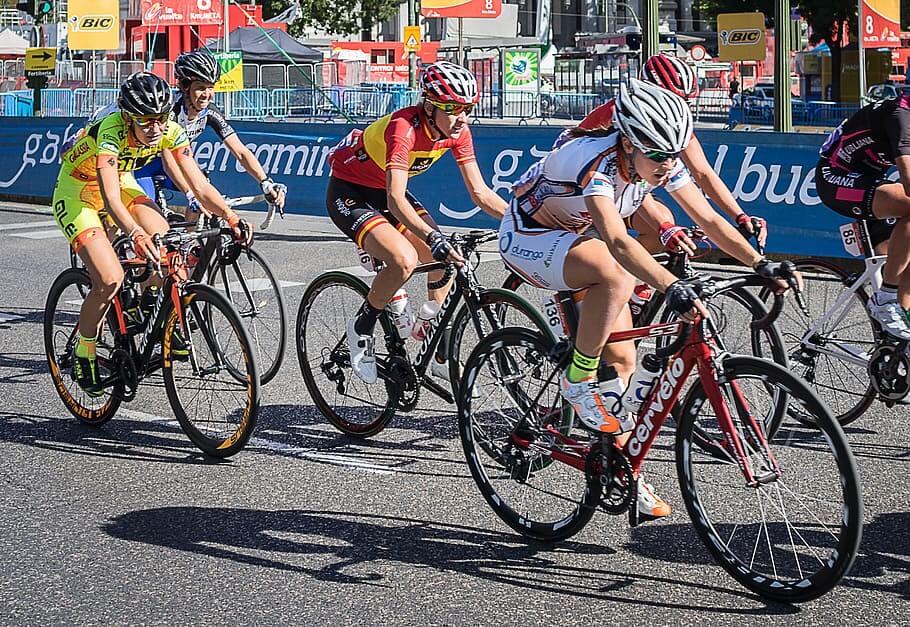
x,y
197,72
598,178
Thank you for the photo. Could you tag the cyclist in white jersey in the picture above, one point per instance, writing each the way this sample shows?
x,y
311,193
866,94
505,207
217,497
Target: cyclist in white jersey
x,y
599,178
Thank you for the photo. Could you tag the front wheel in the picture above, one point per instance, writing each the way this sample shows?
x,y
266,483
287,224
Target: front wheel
x,y
210,372
792,535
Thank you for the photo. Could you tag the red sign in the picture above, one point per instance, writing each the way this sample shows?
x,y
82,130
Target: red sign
x,y
880,24
172,12
461,8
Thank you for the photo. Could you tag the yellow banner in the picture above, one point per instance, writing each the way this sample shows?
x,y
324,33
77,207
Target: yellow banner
x,y
231,71
93,25
741,36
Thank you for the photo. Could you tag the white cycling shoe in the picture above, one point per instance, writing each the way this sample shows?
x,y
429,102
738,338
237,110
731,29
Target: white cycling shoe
x,y
891,316
363,357
650,506
589,404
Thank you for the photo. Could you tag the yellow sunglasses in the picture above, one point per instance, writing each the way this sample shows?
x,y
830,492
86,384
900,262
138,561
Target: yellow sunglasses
x,y
146,121
453,108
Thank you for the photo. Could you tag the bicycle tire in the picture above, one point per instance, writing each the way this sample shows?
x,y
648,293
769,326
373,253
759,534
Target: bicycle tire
x,y
809,459
331,361
215,346
60,327
847,393
513,479
496,302
269,343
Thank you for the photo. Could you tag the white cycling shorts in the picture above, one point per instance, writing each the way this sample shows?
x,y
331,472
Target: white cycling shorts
x,y
535,253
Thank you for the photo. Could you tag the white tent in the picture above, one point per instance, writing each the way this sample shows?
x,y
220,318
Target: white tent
x,y
12,44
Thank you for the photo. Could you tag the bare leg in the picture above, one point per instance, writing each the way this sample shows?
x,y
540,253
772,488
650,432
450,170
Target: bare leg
x,y
392,248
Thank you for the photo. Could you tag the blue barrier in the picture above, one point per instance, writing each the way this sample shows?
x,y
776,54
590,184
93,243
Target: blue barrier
x,y
16,103
57,102
247,103
771,174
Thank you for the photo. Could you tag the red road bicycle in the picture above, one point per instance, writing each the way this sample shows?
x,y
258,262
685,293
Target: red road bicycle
x,y
777,503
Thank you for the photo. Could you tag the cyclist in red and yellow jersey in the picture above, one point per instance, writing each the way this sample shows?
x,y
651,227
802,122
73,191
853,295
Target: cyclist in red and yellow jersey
x,y
369,201
96,182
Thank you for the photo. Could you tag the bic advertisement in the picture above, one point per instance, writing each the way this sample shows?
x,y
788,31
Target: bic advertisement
x,y
881,23
461,8
93,25
741,36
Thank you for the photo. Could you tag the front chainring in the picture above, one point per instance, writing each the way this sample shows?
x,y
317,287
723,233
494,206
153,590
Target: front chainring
x,y
608,465
124,367
889,371
401,382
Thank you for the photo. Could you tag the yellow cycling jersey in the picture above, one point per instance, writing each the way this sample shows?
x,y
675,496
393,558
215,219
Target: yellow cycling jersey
x,y
110,136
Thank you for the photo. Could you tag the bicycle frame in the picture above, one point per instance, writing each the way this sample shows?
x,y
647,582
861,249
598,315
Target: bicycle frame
x,y
696,353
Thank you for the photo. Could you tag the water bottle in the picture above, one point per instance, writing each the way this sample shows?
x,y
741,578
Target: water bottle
x,y
641,383
428,311
611,389
640,295
399,309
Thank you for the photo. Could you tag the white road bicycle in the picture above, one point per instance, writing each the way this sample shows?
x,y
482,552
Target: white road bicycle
x,y
838,348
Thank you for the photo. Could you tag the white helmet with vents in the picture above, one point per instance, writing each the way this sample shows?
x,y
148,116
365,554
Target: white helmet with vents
x,y
653,118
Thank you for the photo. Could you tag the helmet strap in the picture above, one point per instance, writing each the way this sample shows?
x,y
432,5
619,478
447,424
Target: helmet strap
x,y
627,164
431,119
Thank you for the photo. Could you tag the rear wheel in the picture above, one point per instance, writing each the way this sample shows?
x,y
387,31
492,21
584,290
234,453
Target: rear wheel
x,y
350,405
61,330
792,535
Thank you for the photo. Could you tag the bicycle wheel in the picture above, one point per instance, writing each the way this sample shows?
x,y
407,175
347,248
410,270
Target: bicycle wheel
x,y
214,390
537,496
827,359
61,322
251,287
793,535
350,405
499,309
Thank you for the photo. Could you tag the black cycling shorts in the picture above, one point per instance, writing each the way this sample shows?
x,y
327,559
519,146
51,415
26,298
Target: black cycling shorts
x,y
851,195
356,210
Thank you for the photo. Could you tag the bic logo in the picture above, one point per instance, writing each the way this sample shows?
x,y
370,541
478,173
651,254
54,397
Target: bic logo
x,y
92,23
740,36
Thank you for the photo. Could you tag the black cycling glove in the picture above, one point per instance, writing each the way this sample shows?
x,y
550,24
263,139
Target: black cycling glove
x,y
681,295
439,245
768,269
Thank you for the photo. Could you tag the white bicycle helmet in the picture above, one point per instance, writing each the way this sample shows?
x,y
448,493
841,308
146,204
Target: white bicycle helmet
x,y
447,82
653,118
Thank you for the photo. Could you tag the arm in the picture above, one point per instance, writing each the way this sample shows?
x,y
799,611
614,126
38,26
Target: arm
x,y
110,194
396,194
481,194
246,158
903,170
719,230
624,248
209,197
173,171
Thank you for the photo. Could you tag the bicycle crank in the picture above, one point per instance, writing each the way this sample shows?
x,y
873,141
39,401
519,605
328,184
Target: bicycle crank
x,y
889,370
401,381
124,368
607,465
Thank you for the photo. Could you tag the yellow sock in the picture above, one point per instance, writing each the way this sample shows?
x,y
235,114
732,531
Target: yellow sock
x,y
86,347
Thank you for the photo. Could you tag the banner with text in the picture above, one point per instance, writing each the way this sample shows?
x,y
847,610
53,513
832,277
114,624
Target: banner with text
x,y
881,23
771,174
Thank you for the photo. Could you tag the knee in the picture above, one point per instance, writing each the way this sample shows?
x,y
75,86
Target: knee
x,y
612,275
404,260
108,283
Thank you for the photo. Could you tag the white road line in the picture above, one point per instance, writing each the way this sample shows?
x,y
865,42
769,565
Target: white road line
x,y
26,225
8,317
258,285
38,234
263,444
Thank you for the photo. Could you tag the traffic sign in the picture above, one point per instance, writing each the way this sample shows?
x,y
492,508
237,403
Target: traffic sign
x,y
412,38
40,61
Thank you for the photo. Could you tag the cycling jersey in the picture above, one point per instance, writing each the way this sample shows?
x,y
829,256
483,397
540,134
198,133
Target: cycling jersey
x,y
356,210
77,194
400,141
210,117
548,211
601,117
871,139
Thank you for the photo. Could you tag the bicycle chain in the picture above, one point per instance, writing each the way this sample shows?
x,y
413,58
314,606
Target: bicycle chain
x,y
614,474
123,365
889,371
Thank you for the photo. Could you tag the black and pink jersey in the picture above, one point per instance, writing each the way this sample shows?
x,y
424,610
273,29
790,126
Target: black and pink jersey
x,y
871,139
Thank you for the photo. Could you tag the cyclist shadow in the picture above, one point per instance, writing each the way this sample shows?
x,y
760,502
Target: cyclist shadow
x,y
884,552
11,317
23,367
122,438
340,547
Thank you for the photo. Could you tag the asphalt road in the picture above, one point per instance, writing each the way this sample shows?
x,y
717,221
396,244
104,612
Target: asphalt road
x,y
130,524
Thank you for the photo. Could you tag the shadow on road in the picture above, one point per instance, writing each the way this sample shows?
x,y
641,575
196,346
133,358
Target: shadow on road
x,y
348,548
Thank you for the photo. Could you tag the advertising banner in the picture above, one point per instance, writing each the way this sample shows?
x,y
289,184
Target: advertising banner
x,y
231,71
771,174
93,25
741,37
881,23
521,69
173,12
461,8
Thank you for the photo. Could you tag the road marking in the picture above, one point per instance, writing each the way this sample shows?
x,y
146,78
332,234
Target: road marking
x,y
26,225
257,285
39,234
9,317
263,444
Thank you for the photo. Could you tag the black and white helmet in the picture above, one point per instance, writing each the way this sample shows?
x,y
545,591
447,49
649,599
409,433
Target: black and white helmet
x,y
143,93
447,82
653,118
198,65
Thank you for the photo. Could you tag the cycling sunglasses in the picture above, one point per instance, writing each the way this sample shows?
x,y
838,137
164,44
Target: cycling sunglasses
x,y
658,156
146,121
453,108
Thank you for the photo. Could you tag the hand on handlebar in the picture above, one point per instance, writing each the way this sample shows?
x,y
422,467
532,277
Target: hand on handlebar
x,y
682,297
243,230
143,245
275,193
442,249
784,274
676,238
753,226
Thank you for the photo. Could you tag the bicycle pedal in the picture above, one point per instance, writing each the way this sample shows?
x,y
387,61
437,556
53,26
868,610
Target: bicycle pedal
x,y
635,517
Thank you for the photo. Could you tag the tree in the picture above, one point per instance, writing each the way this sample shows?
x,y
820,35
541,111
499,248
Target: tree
x,y
829,21
326,15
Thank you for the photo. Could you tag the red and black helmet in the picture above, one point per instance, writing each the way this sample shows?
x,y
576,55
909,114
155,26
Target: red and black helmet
x,y
672,74
447,82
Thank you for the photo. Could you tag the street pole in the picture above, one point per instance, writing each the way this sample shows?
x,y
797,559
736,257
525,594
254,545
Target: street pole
x,y
862,53
650,36
783,104
460,41
413,20
227,48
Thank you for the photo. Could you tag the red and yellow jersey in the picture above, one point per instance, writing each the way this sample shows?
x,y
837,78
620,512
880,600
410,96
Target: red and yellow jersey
x,y
401,141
